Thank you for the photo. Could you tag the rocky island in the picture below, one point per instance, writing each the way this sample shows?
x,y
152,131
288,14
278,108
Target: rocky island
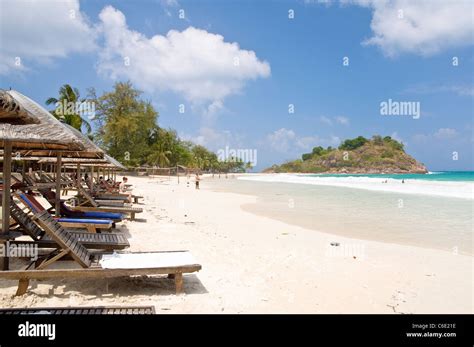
x,y
378,155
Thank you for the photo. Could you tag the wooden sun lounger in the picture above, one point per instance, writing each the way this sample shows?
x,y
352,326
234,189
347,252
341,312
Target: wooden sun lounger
x,y
75,223
47,178
97,207
35,184
105,202
81,310
91,266
109,241
67,212
116,209
90,227
108,196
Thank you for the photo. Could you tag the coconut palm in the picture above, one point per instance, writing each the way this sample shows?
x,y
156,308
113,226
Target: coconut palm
x,y
69,96
160,156
248,166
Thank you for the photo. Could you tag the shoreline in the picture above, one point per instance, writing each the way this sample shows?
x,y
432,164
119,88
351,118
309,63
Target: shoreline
x,y
449,189
271,207
254,264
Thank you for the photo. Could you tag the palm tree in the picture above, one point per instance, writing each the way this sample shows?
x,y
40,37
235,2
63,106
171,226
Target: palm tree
x,y
69,96
160,156
248,166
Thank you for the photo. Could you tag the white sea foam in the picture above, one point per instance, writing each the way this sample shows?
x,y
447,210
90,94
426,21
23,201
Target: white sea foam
x,y
464,190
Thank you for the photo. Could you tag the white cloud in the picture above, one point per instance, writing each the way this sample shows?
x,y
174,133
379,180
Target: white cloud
x,y
398,138
41,31
425,27
331,120
307,142
325,120
440,134
334,140
421,138
193,63
342,120
459,89
169,3
445,133
215,139
212,110
286,141
281,140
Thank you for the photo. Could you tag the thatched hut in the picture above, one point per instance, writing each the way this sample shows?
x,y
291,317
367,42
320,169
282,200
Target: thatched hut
x,y
26,126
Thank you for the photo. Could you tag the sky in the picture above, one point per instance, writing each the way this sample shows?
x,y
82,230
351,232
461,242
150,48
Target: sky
x,y
275,78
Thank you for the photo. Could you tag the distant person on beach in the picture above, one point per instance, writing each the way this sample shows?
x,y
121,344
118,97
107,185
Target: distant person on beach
x,y
123,189
197,180
403,181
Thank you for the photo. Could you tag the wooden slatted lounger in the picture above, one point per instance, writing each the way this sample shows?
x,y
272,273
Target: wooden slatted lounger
x,y
91,225
35,184
118,196
101,266
110,203
85,224
81,310
109,241
97,207
67,212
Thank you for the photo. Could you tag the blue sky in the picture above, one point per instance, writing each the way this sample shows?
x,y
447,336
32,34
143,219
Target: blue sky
x,y
397,50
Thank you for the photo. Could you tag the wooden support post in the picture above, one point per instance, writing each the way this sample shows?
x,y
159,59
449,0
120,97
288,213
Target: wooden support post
x,y
58,185
7,162
22,286
58,256
78,175
178,280
91,180
91,229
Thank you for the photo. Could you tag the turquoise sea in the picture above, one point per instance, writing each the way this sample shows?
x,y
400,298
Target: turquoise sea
x,y
438,222
453,176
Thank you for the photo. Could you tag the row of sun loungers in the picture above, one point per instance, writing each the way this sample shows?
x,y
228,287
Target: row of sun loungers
x,y
75,234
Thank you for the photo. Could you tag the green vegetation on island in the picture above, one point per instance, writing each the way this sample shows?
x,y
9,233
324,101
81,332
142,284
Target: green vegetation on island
x,y
359,155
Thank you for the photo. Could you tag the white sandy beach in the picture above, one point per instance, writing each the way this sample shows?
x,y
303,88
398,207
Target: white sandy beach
x,y
253,264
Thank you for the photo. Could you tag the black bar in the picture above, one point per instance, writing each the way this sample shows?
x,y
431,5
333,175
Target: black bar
x,y
317,330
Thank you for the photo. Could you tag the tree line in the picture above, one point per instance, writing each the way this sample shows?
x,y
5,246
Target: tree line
x,y
127,128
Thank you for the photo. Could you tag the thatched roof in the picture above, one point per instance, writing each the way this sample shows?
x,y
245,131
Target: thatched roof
x,y
84,140
93,147
26,116
114,162
52,160
108,162
21,137
12,112
21,159
27,124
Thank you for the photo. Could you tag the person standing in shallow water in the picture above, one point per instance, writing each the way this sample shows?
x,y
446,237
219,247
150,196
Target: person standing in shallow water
x,y
197,180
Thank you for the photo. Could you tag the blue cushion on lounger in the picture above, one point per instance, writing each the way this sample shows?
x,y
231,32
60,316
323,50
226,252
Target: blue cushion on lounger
x,y
109,215
84,220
